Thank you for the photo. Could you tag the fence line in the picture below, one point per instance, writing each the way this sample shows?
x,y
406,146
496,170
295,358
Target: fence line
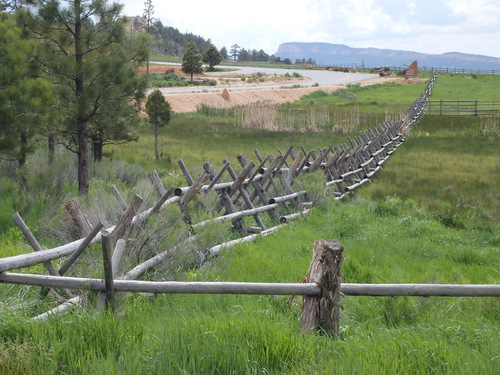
x,y
256,189
463,107
345,168
429,69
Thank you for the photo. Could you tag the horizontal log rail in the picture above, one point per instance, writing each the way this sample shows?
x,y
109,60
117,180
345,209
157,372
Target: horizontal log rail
x,y
305,289
238,215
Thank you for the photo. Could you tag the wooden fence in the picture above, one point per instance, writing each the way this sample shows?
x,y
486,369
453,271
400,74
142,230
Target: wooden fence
x,y
463,107
429,69
243,196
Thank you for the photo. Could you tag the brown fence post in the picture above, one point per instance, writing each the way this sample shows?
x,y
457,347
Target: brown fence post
x,y
324,310
76,213
108,271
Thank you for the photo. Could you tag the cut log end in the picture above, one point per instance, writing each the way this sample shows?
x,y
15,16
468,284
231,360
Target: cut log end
x,y
324,311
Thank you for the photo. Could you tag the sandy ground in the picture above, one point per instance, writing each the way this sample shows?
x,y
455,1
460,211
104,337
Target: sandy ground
x,y
188,102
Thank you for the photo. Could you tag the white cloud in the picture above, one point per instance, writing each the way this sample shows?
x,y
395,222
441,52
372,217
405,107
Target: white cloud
x,y
432,26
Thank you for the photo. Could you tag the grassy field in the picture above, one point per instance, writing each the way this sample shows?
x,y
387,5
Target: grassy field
x,y
431,216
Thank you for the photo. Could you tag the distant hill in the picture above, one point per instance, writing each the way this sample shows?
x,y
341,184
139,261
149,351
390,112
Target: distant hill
x,y
342,55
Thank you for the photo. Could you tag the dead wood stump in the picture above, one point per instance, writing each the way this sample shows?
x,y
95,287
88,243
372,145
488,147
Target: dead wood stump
x,y
324,311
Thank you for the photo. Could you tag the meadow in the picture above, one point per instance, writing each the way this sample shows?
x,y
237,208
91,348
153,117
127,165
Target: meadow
x,y
431,216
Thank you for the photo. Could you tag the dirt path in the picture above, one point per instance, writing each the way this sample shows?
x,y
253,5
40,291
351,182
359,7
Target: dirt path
x,y
189,102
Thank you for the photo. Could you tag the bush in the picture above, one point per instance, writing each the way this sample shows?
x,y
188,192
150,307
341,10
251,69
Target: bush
x,y
391,206
449,217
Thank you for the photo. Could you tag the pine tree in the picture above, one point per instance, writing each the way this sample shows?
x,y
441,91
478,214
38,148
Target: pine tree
x,y
212,57
234,51
94,69
191,61
24,95
159,113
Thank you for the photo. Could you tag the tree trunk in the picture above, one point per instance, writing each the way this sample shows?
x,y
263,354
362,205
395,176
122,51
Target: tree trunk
x,y
81,120
83,169
98,143
51,144
22,158
157,156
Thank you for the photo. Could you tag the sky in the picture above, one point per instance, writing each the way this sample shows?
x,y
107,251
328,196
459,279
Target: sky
x,y
428,26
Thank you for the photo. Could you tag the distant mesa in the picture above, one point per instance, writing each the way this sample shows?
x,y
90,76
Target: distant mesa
x,y
341,55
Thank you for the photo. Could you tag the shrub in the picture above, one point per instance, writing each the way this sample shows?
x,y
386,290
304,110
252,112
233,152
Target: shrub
x,y
391,206
449,217
317,94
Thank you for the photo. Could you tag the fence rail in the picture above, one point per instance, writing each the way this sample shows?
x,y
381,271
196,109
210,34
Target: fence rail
x,y
253,288
463,107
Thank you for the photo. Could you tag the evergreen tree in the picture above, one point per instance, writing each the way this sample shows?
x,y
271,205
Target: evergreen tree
x,y
159,113
212,57
235,51
262,56
191,61
94,69
223,53
24,95
244,55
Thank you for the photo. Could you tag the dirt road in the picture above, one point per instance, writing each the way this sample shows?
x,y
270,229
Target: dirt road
x,y
241,92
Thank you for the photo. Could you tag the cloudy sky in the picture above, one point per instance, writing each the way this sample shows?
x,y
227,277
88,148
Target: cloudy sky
x,y
429,26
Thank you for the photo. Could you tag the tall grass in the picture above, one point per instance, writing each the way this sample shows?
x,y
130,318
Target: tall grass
x,y
260,334
451,172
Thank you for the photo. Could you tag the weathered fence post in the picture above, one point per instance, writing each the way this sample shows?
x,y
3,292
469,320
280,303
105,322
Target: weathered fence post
x,y
324,310
108,271
125,219
33,242
76,214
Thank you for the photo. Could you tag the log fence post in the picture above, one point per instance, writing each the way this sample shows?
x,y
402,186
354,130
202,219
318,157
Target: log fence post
x,y
125,220
238,186
75,212
323,311
157,183
259,189
194,188
119,198
224,195
115,261
74,256
108,271
33,242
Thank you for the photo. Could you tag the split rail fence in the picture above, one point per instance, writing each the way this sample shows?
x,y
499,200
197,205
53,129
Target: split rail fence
x,y
243,197
463,107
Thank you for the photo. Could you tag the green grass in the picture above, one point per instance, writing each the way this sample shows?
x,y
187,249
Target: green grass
x,y
195,140
431,216
255,334
466,87
389,97
453,173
